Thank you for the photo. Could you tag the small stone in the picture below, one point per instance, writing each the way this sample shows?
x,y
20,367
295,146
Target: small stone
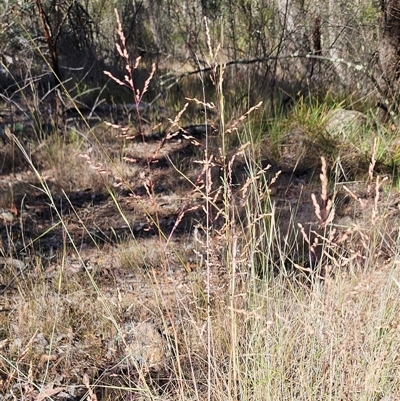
x,y
7,217
138,345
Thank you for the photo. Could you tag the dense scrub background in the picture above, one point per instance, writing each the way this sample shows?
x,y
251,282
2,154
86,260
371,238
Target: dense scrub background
x,y
269,44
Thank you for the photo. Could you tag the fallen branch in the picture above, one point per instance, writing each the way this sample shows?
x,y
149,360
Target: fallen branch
x,y
171,81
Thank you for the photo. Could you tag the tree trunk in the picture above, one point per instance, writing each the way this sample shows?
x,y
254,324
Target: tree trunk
x,y
294,39
389,50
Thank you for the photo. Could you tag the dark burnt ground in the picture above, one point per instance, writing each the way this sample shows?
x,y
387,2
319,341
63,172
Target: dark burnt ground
x,y
150,202
154,196
92,218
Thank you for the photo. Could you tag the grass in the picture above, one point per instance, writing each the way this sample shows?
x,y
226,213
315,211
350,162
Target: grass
x,y
244,305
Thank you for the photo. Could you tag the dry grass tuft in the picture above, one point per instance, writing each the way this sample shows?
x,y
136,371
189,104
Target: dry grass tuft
x,y
266,293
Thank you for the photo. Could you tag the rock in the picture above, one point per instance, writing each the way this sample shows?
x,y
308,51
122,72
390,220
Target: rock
x,y
346,124
138,345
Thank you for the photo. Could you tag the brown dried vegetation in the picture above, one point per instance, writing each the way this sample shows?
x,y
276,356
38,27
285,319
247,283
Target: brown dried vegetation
x,y
190,261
